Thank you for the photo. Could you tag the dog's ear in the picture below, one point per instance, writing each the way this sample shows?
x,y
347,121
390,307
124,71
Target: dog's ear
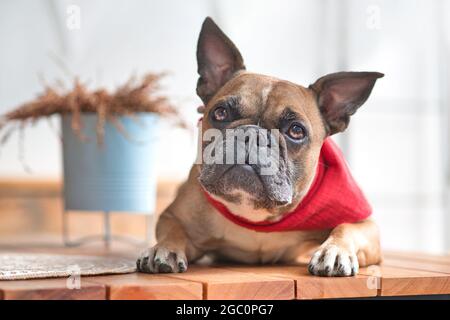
x,y
217,59
340,94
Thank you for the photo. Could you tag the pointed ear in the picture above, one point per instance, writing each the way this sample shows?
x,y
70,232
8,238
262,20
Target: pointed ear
x,y
217,59
340,94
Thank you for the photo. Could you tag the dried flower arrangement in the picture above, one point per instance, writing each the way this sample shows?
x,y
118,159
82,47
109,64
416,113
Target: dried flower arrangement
x,y
135,96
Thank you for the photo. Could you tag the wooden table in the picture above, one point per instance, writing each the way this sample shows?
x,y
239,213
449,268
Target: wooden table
x,y
401,274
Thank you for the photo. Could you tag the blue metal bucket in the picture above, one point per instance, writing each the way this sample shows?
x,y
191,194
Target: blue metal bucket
x,y
118,176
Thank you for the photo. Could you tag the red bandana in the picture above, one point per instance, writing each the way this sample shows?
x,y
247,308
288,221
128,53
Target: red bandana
x,y
334,198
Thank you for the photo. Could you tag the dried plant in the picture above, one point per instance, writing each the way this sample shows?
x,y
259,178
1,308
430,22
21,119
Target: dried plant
x,y
134,97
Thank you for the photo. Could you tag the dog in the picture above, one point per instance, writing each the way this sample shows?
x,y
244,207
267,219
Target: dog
x,y
232,211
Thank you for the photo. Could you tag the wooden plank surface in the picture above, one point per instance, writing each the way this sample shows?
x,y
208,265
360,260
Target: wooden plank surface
x,y
149,287
400,274
397,281
220,283
50,289
309,287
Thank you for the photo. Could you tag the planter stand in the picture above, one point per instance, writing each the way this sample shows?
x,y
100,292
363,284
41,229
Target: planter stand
x,y
107,237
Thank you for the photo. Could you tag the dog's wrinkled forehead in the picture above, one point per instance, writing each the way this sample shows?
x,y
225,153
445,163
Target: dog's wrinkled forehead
x,y
265,99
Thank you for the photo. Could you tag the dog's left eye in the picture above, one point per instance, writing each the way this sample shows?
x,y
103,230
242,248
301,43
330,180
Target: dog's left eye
x,y
220,114
296,131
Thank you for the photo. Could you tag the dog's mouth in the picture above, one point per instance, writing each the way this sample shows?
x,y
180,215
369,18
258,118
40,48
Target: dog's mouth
x,y
243,169
267,191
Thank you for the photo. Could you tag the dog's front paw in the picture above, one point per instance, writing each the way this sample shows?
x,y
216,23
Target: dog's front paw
x,y
332,260
160,259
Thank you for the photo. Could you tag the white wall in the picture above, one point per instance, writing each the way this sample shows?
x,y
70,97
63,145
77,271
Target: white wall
x,y
397,144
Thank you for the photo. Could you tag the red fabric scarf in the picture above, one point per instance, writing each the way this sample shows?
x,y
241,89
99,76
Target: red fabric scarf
x,y
333,198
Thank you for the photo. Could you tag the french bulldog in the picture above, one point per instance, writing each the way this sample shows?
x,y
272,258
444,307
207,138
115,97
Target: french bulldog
x,y
194,225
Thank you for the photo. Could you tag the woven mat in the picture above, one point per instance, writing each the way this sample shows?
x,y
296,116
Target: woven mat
x,y
19,266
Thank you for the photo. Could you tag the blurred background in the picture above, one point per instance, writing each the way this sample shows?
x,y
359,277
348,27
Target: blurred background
x,y
397,144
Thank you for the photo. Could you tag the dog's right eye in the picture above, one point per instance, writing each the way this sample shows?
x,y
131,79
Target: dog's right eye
x,y
296,131
220,114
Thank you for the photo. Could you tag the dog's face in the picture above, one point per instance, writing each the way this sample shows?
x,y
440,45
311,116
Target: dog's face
x,y
288,120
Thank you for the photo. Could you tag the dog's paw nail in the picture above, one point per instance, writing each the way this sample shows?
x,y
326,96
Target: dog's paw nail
x,y
142,264
181,266
138,264
165,268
